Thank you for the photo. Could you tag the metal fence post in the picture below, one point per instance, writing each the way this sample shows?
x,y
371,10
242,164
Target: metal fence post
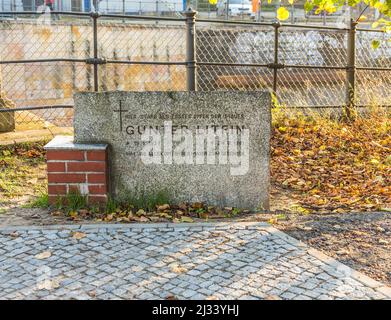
x,y
351,69
95,16
191,62
275,64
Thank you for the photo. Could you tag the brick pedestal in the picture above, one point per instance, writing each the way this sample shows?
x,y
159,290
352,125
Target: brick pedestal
x,y
76,167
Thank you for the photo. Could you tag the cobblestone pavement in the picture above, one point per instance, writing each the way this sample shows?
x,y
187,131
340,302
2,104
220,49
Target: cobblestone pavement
x,y
185,261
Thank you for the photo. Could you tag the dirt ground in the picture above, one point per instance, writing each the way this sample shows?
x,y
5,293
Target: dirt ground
x,y
359,240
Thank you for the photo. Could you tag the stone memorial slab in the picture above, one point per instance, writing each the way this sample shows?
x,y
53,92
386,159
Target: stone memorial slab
x,y
196,146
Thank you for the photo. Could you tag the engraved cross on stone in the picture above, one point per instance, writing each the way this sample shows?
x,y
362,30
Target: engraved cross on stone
x,y
120,114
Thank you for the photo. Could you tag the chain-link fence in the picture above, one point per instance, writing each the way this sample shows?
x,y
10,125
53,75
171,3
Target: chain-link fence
x,y
44,60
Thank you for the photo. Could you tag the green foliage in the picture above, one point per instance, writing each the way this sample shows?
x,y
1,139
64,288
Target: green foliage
x,y
42,201
111,205
375,44
331,6
72,202
20,167
144,199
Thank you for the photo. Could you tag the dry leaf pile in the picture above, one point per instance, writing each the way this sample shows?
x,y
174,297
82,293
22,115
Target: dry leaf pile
x,y
331,166
182,213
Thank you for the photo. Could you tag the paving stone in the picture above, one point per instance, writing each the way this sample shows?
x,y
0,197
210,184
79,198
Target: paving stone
x,y
229,261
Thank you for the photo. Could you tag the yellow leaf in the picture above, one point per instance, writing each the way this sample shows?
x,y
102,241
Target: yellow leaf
x,y
374,161
140,212
375,44
291,2
282,13
73,214
362,18
43,255
186,219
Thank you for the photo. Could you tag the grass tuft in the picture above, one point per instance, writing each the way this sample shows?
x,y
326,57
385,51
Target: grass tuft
x,y
42,201
145,200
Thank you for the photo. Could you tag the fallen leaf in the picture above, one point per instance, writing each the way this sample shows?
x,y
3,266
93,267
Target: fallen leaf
x,y
186,219
48,284
109,217
73,214
140,212
197,205
163,207
178,269
43,255
78,235
143,219
305,228
342,252
380,229
92,293
14,234
272,297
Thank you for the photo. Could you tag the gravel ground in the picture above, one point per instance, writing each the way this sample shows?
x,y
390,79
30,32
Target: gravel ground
x,y
359,240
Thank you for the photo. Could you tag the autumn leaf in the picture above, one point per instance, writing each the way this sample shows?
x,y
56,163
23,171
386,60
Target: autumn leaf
x,y
43,255
73,214
48,284
178,269
140,212
163,207
78,235
14,235
374,161
186,219
143,219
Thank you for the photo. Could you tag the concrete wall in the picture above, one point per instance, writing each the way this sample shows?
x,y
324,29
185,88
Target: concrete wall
x,y
55,82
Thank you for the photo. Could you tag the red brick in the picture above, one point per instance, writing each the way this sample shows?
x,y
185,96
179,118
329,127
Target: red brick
x,y
56,166
66,178
86,167
65,155
54,189
97,178
97,199
97,189
96,155
56,199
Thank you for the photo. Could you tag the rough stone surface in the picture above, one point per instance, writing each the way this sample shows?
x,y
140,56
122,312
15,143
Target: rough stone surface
x,y
185,261
7,119
98,120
